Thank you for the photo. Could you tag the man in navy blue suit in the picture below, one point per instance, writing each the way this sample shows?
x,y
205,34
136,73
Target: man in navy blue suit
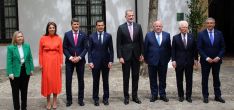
x,y
157,53
75,48
130,53
211,48
100,58
184,56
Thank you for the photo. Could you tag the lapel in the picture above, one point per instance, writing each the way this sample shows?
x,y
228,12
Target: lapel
x,y
127,31
215,36
16,51
163,38
207,37
134,30
79,38
155,39
25,51
189,40
181,40
71,38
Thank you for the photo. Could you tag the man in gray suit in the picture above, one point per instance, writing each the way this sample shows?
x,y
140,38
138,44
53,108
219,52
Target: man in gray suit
x,y
130,53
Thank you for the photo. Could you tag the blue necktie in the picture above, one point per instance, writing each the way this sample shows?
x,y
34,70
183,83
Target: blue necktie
x,y
211,38
158,38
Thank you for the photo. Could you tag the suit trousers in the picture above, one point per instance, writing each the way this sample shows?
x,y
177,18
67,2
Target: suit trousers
x,y
105,79
20,84
186,70
157,73
80,76
205,77
134,65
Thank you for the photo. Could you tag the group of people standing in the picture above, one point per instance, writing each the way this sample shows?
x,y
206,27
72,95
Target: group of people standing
x,y
156,50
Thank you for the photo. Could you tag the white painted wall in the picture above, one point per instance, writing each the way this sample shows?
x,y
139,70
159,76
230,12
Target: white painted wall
x,y
115,16
142,14
35,14
167,13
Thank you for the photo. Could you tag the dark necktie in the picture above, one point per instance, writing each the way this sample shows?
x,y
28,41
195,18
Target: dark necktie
x,y
100,37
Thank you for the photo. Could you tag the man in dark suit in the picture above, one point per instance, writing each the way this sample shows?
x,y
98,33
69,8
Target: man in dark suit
x,y
157,53
211,48
184,56
75,48
100,58
130,53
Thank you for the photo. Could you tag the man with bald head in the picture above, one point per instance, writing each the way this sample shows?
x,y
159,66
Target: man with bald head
x,y
211,48
157,53
184,56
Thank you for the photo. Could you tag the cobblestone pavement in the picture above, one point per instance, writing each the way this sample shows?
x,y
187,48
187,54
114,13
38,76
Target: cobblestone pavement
x,y
37,102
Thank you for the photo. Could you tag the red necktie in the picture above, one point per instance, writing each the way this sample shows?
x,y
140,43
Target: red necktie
x,y
76,38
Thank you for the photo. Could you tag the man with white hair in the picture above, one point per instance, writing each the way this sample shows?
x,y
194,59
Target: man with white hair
x,y
211,48
184,56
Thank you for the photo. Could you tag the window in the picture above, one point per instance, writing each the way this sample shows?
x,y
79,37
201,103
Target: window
x,y
88,12
8,19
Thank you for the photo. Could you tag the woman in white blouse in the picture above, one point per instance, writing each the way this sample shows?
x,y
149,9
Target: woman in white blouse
x,y
19,68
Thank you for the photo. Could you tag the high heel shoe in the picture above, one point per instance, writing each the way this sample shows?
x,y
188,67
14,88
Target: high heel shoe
x,y
48,108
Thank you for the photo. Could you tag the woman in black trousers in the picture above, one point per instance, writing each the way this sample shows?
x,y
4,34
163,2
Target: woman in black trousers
x,y
19,68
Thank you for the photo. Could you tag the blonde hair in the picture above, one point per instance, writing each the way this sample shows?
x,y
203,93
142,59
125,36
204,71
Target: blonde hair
x,y
14,42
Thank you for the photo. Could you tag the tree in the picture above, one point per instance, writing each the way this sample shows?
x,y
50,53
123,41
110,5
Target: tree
x,y
153,13
196,15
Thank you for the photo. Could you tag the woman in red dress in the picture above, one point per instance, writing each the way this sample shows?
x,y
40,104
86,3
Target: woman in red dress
x,y
51,60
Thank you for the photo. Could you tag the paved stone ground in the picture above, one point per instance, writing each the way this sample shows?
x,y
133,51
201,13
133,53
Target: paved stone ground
x,y
37,102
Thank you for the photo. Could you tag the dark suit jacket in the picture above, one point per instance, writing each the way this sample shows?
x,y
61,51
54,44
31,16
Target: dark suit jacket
x,y
126,48
100,54
182,55
153,53
69,48
13,60
206,49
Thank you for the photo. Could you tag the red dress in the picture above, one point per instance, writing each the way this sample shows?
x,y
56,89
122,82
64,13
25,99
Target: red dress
x,y
51,60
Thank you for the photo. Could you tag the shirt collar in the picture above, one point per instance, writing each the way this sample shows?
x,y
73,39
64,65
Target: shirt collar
x,y
211,30
75,32
130,24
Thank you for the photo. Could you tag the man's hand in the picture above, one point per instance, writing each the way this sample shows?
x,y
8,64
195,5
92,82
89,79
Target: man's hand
x,y
77,59
91,66
141,58
209,60
174,64
121,60
195,64
216,59
110,65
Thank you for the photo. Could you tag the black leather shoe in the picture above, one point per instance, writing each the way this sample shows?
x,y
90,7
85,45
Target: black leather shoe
x,y
96,103
153,99
181,99
81,103
136,100
126,101
219,99
189,99
69,103
206,100
105,102
164,98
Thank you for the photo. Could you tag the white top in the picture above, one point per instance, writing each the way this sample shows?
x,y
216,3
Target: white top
x,y
21,53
